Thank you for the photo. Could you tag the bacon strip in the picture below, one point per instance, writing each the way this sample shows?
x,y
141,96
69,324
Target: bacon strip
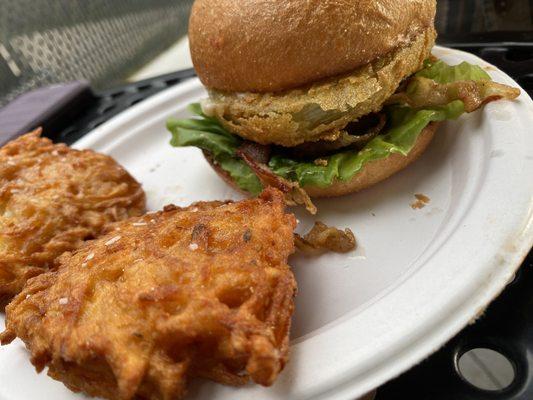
x,y
424,92
294,194
322,238
258,152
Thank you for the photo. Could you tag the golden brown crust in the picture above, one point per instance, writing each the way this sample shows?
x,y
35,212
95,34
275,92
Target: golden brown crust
x,y
203,291
52,198
372,173
268,46
288,118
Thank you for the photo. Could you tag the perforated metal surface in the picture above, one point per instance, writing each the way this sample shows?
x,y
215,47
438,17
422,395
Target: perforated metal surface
x,y
103,41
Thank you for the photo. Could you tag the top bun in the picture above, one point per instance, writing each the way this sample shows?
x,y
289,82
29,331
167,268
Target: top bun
x,y
275,45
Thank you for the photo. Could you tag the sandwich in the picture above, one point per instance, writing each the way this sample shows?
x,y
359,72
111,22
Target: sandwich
x,y
321,98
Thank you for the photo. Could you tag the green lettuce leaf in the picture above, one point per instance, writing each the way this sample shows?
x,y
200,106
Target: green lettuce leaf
x,y
207,134
241,173
441,72
404,125
215,143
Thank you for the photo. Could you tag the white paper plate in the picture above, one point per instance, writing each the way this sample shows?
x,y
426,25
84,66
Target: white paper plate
x,y
417,277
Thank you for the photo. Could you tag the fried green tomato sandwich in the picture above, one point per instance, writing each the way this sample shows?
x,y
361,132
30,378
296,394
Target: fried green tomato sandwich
x,y
321,98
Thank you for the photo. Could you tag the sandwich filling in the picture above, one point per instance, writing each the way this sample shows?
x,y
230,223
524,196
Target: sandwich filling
x,y
437,92
322,110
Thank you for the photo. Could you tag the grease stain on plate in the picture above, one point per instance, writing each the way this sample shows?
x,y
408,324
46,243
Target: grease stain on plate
x,y
496,153
155,167
434,211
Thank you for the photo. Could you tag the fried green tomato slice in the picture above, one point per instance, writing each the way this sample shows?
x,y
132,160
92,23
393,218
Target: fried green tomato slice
x,y
322,110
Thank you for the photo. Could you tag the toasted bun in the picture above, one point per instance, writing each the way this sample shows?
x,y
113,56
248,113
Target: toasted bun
x,y
378,170
372,173
269,46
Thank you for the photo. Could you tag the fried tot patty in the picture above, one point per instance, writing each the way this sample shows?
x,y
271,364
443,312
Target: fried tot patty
x,y
320,111
52,198
203,291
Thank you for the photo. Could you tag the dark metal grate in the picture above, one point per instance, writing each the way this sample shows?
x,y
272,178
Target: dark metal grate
x,y
108,103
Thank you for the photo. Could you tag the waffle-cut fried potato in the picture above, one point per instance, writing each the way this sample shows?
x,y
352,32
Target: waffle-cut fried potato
x,y
203,291
52,198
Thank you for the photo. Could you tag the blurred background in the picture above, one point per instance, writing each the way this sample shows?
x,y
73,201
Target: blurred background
x,y
103,41
475,16
112,42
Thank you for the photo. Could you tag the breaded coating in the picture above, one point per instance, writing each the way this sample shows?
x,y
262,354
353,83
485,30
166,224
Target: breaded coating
x,y
320,111
203,291
52,198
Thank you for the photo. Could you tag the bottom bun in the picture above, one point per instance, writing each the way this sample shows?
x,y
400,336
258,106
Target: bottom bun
x,y
372,173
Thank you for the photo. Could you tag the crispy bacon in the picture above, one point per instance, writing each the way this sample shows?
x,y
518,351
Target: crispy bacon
x,y
322,238
424,92
294,194
258,152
